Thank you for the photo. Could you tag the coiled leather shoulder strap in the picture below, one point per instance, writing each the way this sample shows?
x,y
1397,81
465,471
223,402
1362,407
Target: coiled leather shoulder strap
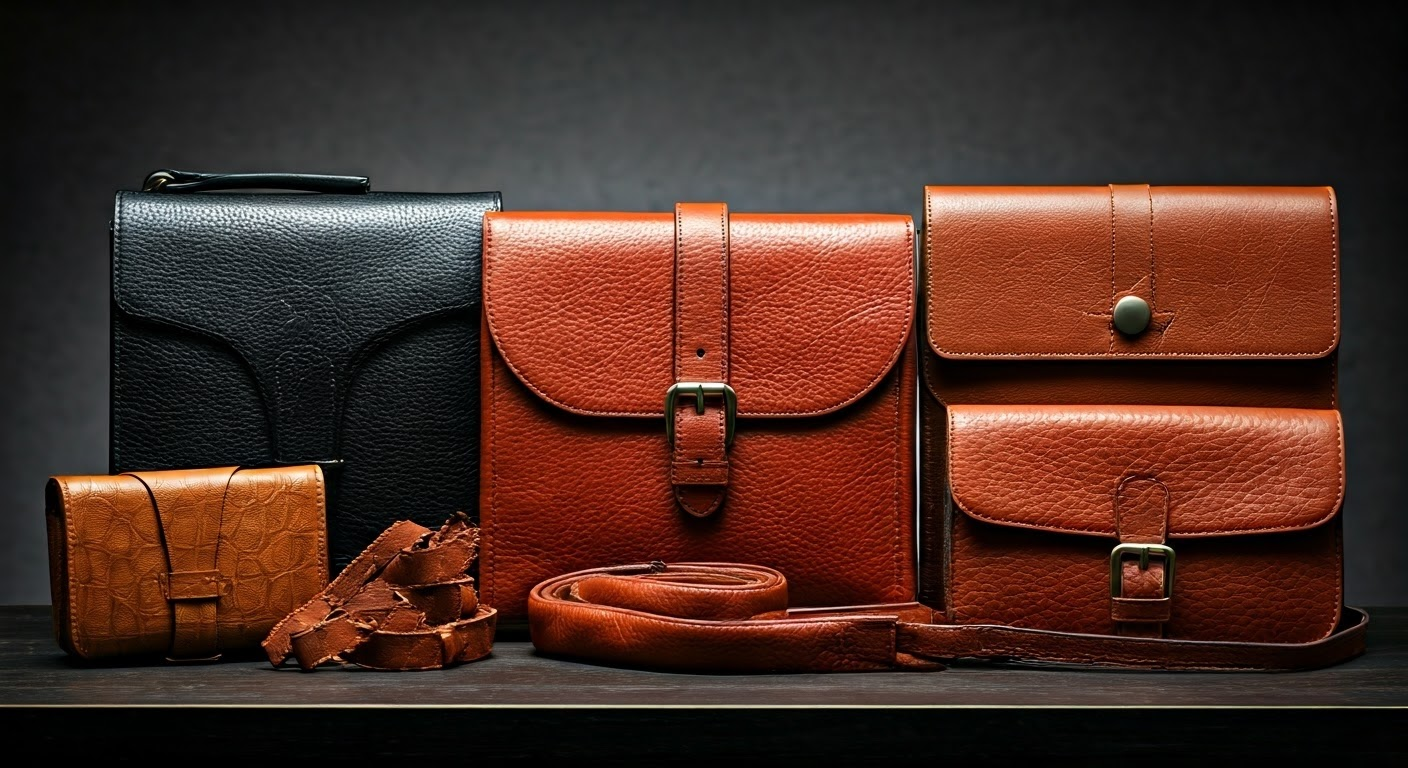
x,y
726,617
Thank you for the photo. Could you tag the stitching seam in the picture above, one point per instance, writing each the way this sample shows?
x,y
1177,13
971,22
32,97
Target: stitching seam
x,y
321,505
1336,608
1334,268
723,295
897,585
488,515
1113,289
1153,263
1334,383
73,633
679,287
116,383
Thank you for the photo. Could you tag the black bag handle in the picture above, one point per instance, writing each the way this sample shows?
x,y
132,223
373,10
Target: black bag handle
x,y
166,180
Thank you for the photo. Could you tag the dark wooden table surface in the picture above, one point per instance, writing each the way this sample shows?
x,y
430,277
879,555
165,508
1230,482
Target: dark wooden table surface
x,y
519,703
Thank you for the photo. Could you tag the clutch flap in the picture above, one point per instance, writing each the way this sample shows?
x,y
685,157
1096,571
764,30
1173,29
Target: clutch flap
x,y
582,307
301,286
1204,471
1131,271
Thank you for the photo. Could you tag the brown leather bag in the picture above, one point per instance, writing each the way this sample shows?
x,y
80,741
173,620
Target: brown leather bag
x,y
1130,423
182,563
699,386
1131,455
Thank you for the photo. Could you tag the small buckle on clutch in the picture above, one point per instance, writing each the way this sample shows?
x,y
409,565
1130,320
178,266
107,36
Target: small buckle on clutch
x,y
700,390
1118,554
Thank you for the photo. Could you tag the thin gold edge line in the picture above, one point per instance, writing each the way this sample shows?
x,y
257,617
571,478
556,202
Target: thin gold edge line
x,y
210,705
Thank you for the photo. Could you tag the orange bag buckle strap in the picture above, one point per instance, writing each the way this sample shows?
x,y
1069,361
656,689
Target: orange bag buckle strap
x,y
727,617
404,603
700,407
1142,565
1134,314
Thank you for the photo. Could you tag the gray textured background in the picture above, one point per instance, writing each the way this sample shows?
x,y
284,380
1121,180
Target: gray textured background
x,y
817,106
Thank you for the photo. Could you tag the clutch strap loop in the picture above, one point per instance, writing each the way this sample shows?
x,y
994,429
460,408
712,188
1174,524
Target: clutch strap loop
x,y
189,515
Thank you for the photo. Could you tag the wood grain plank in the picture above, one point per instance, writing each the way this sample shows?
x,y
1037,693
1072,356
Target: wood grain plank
x,y
34,672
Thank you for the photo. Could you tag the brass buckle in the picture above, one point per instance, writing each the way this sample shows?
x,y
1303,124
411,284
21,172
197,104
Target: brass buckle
x,y
700,390
1118,554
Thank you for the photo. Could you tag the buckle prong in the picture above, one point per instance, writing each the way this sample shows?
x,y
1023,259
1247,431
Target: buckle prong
x,y
699,390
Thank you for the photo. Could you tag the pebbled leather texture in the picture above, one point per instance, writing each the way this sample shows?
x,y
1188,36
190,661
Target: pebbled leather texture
x,y
266,329
581,307
186,563
576,470
1047,436
1226,471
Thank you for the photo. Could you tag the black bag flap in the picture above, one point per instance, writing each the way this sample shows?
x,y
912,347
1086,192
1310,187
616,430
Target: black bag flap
x,y
301,286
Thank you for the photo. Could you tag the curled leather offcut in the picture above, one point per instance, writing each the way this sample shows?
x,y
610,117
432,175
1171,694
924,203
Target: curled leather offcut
x,y
406,602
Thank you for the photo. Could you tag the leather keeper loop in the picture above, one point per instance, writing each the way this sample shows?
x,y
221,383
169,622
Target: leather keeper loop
x,y
190,518
1142,610
192,585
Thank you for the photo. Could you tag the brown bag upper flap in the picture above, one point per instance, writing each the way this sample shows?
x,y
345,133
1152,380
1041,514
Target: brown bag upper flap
x,y
1223,470
581,307
1035,272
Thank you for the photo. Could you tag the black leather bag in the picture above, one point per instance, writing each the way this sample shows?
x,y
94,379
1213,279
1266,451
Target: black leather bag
x,y
339,327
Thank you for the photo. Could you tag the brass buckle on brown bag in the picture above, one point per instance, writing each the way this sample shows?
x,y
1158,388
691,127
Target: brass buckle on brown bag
x,y
700,390
1143,551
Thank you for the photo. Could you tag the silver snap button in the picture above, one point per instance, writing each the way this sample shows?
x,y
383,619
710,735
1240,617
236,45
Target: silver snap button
x,y
1131,315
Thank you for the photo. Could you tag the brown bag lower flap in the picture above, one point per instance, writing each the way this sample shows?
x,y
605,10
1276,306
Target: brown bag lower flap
x,y
1219,470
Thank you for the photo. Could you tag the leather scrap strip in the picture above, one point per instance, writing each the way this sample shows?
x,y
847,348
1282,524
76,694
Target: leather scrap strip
x,y
363,568
728,617
404,603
